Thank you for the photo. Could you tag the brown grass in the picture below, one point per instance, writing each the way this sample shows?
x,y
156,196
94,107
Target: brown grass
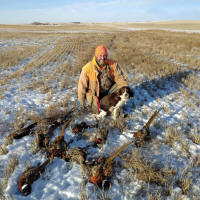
x,y
3,150
185,184
157,55
13,57
185,147
197,161
184,25
144,170
196,138
7,173
172,136
149,53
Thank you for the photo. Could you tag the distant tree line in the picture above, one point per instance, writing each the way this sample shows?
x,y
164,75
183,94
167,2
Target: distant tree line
x,y
40,23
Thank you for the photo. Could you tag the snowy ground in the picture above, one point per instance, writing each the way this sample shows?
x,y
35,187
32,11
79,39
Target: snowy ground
x,y
63,180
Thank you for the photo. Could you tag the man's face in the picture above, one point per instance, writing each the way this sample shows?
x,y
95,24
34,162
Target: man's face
x,y
101,58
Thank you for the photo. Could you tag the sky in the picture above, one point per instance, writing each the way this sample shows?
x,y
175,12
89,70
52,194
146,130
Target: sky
x,y
24,11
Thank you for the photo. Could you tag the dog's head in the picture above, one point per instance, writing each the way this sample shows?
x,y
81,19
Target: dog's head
x,y
125,92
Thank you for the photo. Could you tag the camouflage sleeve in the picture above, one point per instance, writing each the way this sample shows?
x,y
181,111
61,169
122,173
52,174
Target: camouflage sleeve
x,y
119,77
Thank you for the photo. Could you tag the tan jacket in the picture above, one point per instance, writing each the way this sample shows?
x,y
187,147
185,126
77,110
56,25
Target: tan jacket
x,y
88,85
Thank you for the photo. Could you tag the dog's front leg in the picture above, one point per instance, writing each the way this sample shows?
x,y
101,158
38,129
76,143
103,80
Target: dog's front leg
x,y
115,113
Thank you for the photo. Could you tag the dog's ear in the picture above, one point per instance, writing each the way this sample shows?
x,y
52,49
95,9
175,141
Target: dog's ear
x,y
121,90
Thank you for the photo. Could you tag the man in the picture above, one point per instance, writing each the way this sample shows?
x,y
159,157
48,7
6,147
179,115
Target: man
x,y
98,78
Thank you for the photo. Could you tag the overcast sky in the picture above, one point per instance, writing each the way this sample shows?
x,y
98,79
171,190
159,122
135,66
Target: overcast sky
x,y
27,11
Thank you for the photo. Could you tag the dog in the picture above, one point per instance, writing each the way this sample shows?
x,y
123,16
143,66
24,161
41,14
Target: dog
x,y
112,103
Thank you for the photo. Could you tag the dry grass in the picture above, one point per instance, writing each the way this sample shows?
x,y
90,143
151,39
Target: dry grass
x,y
7,35
159,54
16,55
7,173
156,55
3,150
197,161
172,136
184,25
185,177
185,184
196,138
156,196
144,170
185,148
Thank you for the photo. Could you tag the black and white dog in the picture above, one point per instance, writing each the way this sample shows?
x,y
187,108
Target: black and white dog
x,y
112,103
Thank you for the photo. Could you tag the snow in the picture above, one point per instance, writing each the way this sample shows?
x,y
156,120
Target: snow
x,y
64,180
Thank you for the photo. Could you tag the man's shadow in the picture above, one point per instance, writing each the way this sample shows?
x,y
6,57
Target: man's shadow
x,y
150,90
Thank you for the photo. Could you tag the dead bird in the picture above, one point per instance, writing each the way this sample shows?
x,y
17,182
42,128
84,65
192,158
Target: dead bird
x,y
79,127
53,122
100,137
59,145
23,131
102,168
29,176
43,140
144,135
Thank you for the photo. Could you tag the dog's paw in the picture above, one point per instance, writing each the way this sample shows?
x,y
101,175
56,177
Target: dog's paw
x,y
115,115
101,115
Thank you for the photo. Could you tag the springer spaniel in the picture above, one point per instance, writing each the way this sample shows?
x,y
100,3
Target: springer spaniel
x,y
112,103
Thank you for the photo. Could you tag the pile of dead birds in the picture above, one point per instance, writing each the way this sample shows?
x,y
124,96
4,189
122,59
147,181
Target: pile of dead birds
x,y
98,171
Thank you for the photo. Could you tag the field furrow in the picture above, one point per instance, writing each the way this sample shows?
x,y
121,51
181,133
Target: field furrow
x,y
38,78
